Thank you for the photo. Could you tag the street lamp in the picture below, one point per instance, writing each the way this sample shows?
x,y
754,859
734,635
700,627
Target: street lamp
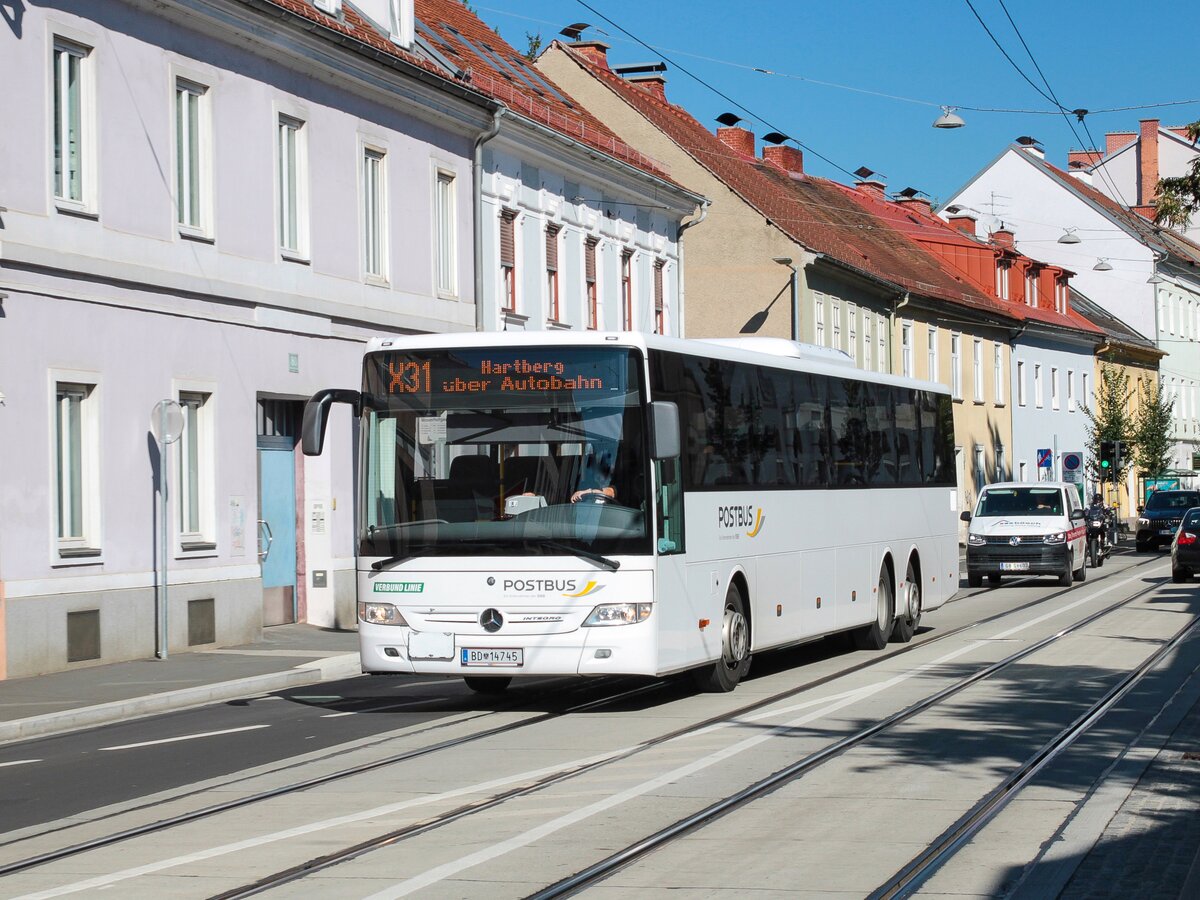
x,y
787,261
166,423
949,118
1069,237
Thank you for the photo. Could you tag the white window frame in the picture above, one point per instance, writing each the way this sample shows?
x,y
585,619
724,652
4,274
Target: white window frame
x,y
931,348
1000,395
1086,396
977,368
445,235
1054,387
819,321
1070,390
906,349
1024,471
1021,399
852,328
999,462
84,548
1031,288
199,434
836,330
63,48
881,361
1003,270
193,209
956,385
868,352
373,212
1038,391
291,187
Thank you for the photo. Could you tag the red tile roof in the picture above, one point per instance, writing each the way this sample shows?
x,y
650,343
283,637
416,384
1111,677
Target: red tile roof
x,y
492,68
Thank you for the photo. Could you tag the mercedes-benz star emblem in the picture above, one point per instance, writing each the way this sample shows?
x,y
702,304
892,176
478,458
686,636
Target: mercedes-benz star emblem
x,y
1014,540
491,620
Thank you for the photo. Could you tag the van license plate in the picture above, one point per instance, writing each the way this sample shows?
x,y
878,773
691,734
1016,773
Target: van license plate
x,y
491,657
1014,567
1165,531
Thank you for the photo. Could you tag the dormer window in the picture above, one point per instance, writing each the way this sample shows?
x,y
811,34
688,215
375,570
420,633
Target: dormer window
x,y
1002,272
1031,287
401,22
1061,295
330,7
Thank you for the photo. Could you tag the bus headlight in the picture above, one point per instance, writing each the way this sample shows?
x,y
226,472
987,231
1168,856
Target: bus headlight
x,y
379,614
619,614
976,540
1057,538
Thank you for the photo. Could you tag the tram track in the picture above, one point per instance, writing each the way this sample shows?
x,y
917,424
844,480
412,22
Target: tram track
x,y
343,855
493,801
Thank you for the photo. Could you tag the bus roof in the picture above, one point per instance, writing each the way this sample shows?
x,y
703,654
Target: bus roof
x,y
778,353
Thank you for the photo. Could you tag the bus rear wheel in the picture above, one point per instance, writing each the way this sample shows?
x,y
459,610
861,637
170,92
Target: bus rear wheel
x,y
910,609
875,635
484,684
724,675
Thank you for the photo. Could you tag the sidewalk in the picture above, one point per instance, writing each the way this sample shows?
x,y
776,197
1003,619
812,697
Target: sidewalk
x,y
287,656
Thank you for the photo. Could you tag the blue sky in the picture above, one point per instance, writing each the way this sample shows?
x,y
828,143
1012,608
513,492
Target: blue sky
x,y
1099,55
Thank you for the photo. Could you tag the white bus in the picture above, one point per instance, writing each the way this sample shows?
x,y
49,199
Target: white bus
x,y
622,503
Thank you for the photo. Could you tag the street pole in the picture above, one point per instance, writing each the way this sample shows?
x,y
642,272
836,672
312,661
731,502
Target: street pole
x,y
166,422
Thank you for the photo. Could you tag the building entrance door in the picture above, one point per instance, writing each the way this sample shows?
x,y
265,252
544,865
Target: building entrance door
x,y
277,508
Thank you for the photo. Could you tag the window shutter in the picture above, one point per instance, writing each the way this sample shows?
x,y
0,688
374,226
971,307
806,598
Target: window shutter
x,y
658,284
552,248
589,261
508,253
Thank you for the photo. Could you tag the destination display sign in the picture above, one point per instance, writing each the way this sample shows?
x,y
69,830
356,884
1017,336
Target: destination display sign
x,y
493,377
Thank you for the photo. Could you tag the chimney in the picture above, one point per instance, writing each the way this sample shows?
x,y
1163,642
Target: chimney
x,y
1115,140
872,187
789,159
1147,161
920,204
1078,159
596,52
1003,237
655,85
739,140
964,223
1032,146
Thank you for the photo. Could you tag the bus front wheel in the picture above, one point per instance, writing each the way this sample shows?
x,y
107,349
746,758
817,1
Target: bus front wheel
x,y
726,672
484,684
875,636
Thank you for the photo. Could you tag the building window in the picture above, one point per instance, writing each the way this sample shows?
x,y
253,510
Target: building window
x,y
977,368
660,321
867,343
852,313
1002,271
1062,295
1020,383
627,290
293,195
589,280
956,365
819,321
931,349
980,472
191,150
881,361
374,214
76,469
998,372
1086,397
447,245
1038,394
906,349
552,272
1070,391
1053,387
195,470
72,138
836,316
1000,474
508,260
1031,287
1024,476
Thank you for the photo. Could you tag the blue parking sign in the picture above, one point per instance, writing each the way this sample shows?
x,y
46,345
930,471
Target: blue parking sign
x,y
1044,458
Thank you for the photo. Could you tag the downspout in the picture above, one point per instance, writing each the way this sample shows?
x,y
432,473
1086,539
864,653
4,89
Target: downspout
x,y
477,201
684,226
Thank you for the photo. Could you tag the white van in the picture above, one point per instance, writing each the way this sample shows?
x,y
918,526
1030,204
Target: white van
x,y
1026,529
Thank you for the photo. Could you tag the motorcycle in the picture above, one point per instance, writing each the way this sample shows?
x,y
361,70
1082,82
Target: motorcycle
x,y
1099,543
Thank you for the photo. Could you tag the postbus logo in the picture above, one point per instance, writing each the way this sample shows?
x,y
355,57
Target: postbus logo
x,y
567,587
741,517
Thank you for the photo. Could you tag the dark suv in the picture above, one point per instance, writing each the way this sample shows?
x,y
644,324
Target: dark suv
x,y
1160,517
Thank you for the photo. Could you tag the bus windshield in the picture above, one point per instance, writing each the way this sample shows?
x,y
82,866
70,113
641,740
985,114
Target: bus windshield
x,y
492,451
1025,501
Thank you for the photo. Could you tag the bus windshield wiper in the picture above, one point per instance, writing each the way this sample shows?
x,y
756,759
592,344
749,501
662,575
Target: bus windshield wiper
x,y
590,555
392,560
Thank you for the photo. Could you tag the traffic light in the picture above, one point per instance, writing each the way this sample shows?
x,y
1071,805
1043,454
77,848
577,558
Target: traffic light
x,y
1108,458
1118,456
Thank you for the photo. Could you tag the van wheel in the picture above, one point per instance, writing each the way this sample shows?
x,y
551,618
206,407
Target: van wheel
x,y
1064,577
993,578
724,675
1081,575
910,609
875,635
483,684
974,579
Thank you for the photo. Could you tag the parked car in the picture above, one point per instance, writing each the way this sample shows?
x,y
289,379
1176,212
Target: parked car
x,y
1159,519
1026,529
1185,547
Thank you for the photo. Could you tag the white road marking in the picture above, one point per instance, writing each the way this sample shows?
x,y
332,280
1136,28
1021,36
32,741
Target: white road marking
x,y
445,871
19,762
185,737
375,709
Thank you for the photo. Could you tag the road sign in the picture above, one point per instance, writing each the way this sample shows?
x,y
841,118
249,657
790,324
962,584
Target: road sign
x,y
1072,461
1043,458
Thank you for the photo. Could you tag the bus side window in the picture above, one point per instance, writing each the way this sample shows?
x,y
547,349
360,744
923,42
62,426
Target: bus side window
x,y
669,514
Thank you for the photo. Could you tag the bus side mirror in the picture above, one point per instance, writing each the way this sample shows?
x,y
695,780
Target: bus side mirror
x,y
664,430
965,515
316,415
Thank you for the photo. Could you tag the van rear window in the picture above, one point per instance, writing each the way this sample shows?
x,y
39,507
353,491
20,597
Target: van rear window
x,y
1028,501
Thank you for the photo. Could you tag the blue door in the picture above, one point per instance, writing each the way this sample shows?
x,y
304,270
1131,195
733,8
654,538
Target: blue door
x,y
277,529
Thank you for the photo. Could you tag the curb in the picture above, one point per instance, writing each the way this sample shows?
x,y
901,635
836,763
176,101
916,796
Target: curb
x,y
343,666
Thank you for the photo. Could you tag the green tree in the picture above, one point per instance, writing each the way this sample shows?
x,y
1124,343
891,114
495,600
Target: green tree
x,y
1152,432
535,45
1178,198
1110,421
